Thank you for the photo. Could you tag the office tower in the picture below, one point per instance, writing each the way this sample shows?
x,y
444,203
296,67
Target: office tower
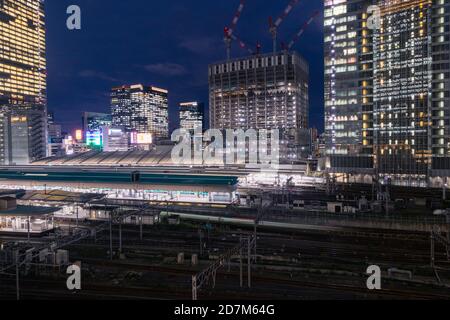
x,y
192,116
261,92
348,83
402,97
385,90
94,121
22,81
141,109
25,136
55,140
114,139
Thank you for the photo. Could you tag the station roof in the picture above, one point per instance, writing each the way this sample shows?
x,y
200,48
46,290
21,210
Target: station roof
x,y
119,178
29,211
161,155
60,196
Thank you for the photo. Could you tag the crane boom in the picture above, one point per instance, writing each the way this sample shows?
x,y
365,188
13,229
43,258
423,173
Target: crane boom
x,y
302,30
275,25
242,44
286,12
236,17
230,30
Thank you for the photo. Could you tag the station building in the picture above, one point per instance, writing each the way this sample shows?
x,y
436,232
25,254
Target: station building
x,y
18,219
127,185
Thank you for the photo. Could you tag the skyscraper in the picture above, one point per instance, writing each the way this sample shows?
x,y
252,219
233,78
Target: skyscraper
x,y
141,109
192,115
386,89
22,81
261,92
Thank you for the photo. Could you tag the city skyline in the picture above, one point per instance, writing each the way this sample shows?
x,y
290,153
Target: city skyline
x,y
177,61
103,197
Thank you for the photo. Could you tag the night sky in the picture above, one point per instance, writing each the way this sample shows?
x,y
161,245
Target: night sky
x,y
163,43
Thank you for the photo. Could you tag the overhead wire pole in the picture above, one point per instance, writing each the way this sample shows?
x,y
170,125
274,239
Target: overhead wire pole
x,y
249,262
230,30
241,277
209,274
110,237
76,236
17,283
275,25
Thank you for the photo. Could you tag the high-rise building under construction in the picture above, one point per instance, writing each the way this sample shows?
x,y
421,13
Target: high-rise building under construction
x,y
267,91
387,89
23,116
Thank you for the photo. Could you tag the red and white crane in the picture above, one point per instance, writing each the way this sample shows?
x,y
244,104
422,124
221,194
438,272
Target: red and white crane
x,y
275,25
302,31
230,30
241,43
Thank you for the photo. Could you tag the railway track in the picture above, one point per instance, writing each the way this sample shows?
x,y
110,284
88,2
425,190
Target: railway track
x,y
324,249
262,282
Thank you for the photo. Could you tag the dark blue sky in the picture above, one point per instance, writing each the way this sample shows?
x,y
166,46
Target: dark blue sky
x,y
162,43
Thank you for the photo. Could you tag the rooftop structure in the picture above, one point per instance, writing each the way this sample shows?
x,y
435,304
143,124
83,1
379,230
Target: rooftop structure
x,y
31,220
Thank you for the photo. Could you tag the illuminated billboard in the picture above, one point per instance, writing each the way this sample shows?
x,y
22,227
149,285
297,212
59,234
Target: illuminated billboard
x,y
79,135
144,138
94,138
141,138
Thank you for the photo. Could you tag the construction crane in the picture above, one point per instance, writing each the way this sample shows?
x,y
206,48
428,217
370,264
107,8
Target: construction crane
x,y
230,30
275,25
301,31
242,44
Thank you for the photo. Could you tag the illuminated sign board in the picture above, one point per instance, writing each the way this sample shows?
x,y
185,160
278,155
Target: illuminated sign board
x,y
141,138
94,138
79,135
144,138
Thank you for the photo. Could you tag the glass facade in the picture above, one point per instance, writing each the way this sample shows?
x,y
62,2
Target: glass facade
x,y
22,79
94,121
348,78
402,89
192,115
387,90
